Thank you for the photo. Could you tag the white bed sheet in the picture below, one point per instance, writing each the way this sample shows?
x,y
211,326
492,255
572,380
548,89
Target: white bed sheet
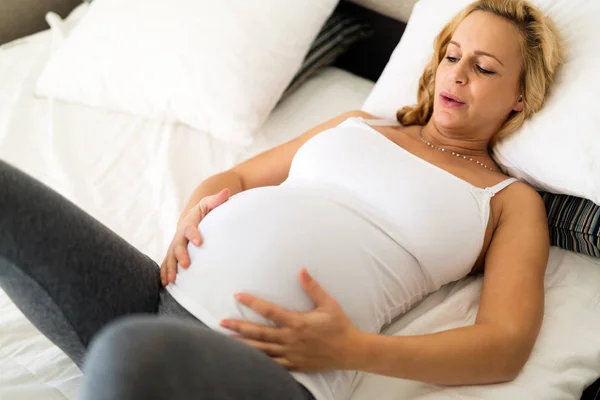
x,y
135,176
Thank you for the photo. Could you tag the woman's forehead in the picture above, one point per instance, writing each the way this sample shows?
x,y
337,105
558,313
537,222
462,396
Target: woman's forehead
x,y
490,33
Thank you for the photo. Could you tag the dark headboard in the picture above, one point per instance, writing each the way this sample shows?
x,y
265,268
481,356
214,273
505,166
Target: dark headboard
x,y
368,57
20,18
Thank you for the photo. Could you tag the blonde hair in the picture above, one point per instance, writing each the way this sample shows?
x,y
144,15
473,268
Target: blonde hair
x,y
540,49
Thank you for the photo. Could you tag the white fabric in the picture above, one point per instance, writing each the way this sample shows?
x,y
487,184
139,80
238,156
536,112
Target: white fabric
x,y
556,150
374,228
397,9
218,66
89,155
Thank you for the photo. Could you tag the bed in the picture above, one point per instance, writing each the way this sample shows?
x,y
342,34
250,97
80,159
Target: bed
x,y
135,176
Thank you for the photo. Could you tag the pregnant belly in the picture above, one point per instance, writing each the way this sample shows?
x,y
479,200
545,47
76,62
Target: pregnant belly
x,y
258,241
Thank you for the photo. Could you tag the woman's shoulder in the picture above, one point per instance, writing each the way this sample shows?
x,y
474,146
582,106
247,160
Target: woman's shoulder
x,y
520,198
522,191
337,120
370,119
358,113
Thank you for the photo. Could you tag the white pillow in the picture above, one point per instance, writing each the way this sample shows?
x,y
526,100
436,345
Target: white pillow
x,y
61,28
397,9
218,66
558,149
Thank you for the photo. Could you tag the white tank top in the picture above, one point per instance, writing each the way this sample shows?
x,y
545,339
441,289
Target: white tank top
x,y
377,226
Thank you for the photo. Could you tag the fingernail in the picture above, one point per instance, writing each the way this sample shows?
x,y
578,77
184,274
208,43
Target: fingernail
x,y
225,324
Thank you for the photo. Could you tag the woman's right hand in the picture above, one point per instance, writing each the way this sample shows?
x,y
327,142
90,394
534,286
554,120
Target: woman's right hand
x,y
187,231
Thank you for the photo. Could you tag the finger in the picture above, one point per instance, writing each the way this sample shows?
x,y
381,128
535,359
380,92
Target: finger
x,y
171,266
165,266
254,331
222,195
193,217
163,269
164,272
181,255
313,288
192,234
284,362
216,200
270,311
272,349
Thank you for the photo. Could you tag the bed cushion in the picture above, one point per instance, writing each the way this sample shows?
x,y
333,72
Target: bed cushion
x,y
218,66
557,149
574,223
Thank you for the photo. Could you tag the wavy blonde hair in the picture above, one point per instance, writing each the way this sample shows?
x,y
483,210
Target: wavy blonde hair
x,y
541,51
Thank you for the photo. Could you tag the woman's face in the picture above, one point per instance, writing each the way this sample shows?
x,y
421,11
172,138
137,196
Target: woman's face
x,y
481,69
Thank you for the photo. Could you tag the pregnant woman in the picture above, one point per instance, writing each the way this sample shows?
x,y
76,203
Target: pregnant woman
x,y
326,238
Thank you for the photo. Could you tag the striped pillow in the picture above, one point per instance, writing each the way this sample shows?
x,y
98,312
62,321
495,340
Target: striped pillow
x,y
339,32
574,223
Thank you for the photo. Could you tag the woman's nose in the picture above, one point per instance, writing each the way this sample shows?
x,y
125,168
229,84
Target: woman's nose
x,y
459,73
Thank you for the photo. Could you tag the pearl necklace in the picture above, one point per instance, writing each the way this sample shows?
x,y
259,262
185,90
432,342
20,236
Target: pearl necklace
x,y
451,152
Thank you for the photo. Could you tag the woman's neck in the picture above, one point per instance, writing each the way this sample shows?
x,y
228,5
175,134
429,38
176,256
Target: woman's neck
x,y
465,145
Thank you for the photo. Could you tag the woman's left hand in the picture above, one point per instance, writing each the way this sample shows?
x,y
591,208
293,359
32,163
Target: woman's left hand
x,y
318,340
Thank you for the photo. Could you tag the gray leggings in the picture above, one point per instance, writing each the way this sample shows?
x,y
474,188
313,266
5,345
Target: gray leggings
x,y
100,300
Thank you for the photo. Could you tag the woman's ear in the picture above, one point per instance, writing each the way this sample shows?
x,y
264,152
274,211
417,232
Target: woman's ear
x,y
520,104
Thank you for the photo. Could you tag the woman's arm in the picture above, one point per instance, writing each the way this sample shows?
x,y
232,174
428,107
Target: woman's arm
x,y
510,314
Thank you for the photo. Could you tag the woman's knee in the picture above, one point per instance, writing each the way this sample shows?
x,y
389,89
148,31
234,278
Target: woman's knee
x,y
128,341
148,356
140,356
122,360
15,184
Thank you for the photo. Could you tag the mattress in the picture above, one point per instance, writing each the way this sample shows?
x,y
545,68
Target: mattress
x,y
135,176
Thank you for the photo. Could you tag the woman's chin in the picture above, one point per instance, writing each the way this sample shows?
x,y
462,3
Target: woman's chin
x,y
447,121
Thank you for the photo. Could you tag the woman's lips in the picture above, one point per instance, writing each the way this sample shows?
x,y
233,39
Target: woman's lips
x,y
448,102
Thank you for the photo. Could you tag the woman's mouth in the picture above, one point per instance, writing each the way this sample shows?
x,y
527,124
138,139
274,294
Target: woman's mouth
x,y
450,102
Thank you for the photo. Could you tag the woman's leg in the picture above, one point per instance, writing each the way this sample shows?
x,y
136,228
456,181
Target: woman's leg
x,y
169,358
69,274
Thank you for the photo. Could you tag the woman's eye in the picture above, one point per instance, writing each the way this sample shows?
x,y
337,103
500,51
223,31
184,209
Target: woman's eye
x,y
485,71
